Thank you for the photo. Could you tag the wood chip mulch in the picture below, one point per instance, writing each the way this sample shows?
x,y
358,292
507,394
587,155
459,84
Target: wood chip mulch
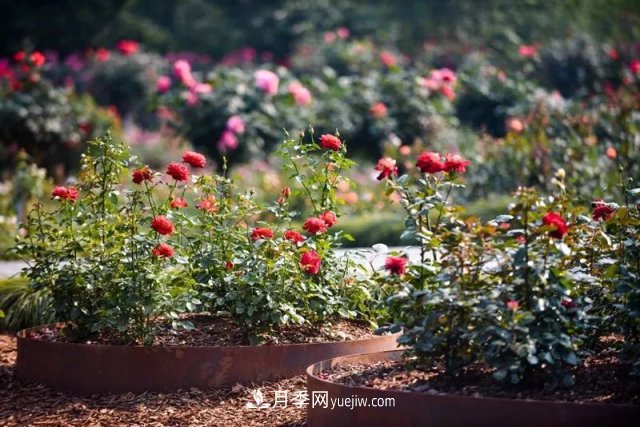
x,y
24,404
602,378
220,330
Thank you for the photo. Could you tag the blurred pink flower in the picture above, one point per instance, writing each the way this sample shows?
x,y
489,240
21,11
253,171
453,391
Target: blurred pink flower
x,y
388,59
190,97
202,88
301,94
267,81
163,84
182,70
228,141
378,110
236,125
528,50
634,66
343,32
102,54
329,37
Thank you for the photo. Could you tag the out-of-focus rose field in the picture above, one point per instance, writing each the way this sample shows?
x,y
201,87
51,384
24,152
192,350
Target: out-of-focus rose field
x,y
498,139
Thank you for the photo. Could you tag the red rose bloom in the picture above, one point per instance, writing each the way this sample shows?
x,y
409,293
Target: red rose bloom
x,y
19,56
178,171
65,193
141,174
555,220
455,163
127,47
162,225
386,167
329,218
208,204
568,303
37,58
429,162
261,233
310,262
293,236
195,160
315,225
229,265
162,250
72,194
330,142
602,211
396,265
179,203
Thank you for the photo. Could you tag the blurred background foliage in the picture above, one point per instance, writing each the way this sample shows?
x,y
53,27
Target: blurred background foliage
x,y
215,27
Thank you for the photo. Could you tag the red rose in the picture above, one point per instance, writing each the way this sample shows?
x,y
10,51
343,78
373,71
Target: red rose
x,y
178,171
102,54
142,174
315,226
429,162
178,203
455,163
127,47
378,110
555,220
162,250
72,194
196,160
386,167
513,305
330,142
293,236
19,56
329,218
310,262
162,225
602,211
261,233
396,265
286,192
568,303
37,59
229,265
65,193
208,204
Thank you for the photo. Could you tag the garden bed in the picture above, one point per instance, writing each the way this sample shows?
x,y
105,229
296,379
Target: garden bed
x,y
99,368
426,398
32,404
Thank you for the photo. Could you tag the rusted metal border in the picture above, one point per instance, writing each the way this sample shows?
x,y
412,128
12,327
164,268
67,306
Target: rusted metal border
x,y
422,409
96,368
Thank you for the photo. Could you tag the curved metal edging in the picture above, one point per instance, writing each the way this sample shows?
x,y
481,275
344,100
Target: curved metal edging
x,y
98,368
431,410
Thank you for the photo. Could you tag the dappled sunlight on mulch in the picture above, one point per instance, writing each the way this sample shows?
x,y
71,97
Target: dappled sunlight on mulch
x,y
31,404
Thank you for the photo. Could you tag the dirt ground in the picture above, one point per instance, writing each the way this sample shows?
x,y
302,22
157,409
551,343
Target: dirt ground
x,y
32,404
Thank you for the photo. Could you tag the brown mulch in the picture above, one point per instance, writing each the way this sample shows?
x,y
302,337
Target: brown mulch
x,y
603,378
23,404
220,330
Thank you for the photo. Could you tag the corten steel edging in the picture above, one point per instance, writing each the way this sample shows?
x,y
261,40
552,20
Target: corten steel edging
x,y
96,368
422,409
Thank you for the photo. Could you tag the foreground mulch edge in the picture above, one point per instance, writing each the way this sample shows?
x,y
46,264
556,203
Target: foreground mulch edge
x,y
32,404
405,408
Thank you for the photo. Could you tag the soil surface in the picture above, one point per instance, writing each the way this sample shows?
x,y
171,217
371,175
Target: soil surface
x,y
23,404
603,378
223,331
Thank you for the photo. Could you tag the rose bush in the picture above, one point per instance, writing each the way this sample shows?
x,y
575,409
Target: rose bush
x,y
529,293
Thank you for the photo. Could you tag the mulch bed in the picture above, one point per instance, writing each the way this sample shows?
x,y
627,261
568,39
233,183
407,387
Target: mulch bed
x,y
24,404
223,331
603,378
